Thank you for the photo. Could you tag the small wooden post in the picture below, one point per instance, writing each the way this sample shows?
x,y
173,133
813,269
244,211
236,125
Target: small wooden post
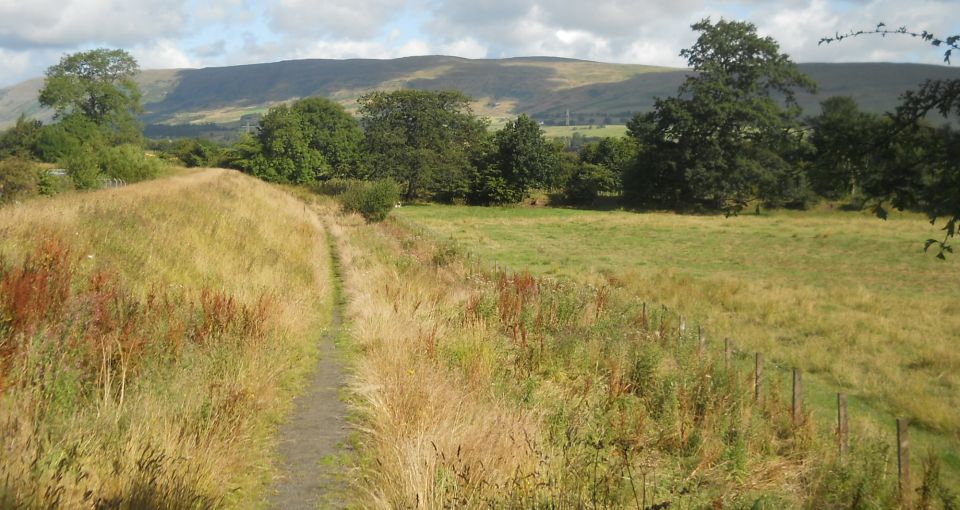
x,y
797,398
727,352
903,460
643,315
683,326
496,267
758,378
702,339
842,424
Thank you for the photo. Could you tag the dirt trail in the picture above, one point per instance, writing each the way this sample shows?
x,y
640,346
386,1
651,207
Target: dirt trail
x,y
313,441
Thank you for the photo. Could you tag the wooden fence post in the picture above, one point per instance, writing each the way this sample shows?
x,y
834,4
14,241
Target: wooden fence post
x,y
797,398
903,460
758,378
727,352
643,315
683,326
701,338
842,424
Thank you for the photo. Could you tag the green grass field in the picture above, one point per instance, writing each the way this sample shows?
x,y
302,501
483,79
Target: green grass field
x,y
612,130
852,300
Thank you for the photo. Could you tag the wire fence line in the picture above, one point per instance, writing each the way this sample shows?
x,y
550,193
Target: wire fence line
x,y
667,317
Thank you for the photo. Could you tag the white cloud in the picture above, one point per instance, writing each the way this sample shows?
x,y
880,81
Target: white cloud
x,y
356,19
162,54
53,23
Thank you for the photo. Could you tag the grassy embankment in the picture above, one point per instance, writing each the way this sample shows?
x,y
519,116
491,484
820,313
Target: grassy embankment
x,y
851,300
478,389
150,338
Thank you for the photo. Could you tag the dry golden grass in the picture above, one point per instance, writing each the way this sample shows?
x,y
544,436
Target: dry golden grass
x,y
191,427
479,390
418,415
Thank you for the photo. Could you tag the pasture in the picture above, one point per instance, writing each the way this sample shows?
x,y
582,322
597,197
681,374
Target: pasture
x,y
851,300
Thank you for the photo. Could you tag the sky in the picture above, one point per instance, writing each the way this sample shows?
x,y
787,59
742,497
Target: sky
x,y
35,34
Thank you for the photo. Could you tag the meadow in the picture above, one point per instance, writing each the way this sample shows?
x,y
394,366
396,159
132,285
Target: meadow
x,y
851,300
151,338
613,131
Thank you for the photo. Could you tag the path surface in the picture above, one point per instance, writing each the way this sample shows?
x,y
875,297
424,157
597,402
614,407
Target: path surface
x,y
313,442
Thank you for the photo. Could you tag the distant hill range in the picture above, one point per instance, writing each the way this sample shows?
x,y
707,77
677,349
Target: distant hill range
x,y
187,101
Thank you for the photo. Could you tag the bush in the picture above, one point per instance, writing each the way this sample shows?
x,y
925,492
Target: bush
x,y
52,184
82,166
128,163
587,182
372,200
18,179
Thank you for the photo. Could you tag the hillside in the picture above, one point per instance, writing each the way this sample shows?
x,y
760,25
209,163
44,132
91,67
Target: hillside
x,y
543,87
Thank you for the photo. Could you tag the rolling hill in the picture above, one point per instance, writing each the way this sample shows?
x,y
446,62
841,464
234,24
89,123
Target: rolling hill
x,y
543,87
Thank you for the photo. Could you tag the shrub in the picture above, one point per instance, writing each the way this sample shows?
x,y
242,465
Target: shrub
x,y
372,200
52,184
82,166
18,179
129,163
587,182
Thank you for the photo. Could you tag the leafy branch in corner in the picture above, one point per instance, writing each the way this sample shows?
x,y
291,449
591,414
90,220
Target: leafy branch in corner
x,y
926,172
950,42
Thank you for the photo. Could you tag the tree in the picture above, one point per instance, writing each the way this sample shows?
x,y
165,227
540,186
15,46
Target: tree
x,y
923,165
522,157
22,140
312,139
98,85
713,143
840,135
424,140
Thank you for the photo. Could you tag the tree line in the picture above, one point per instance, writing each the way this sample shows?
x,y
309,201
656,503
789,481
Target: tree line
x,y
732,137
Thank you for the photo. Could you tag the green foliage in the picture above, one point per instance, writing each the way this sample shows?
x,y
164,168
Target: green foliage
x,y
128,163
22,139
312,139
50,184
99,86
588,181
521,159
371,199
197,152
242,155
713,143
83,168
843,137
424,140
71,134
18,179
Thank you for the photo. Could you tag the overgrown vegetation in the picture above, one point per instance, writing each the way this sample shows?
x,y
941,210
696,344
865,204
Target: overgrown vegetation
x,y
136,369
570,394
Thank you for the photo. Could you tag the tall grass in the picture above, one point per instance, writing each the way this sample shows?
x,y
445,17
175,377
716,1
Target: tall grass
x,y
851,300
150,339
494,389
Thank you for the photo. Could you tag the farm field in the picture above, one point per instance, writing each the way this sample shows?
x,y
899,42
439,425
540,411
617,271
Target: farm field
x,y
851,300
612,130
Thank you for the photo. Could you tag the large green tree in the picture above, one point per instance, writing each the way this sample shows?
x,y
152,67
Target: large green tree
x,y
312,139
519,158
722,136
99,86
424,140
842,135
